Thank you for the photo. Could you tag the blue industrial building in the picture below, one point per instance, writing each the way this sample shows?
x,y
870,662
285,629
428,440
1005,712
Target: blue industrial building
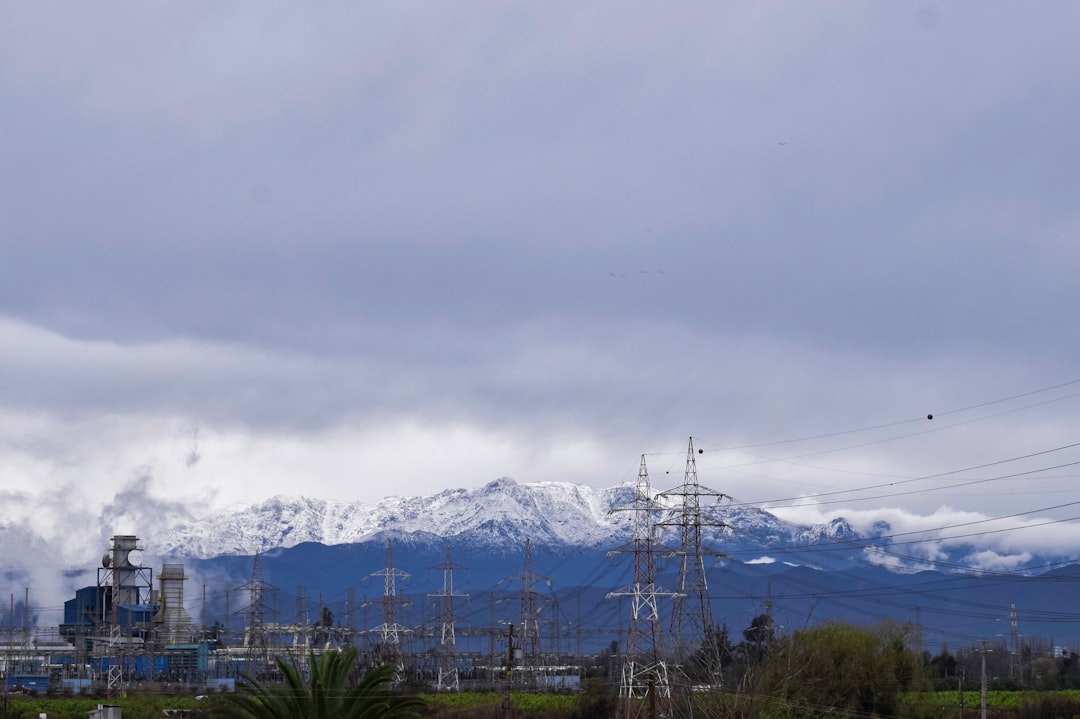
x,y
92,607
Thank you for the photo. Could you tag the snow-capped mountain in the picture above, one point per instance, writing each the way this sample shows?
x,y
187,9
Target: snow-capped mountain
x,y
579,546
501,514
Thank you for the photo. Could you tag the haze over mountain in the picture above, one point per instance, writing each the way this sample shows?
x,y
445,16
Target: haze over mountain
x,y
572,536
575,539
504,514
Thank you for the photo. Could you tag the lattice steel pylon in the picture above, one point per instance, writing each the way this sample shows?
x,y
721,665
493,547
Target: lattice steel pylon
x,y
691,617
256,641
644,675
1014,642
447,652
390,631
302,635
529,637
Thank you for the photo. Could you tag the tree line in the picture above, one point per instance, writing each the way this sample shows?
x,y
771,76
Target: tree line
x,y
833,669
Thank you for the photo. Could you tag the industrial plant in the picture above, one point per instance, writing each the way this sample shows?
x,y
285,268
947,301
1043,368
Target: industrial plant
x,y
131,631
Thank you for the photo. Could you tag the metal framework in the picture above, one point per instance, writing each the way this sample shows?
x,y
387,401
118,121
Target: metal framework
x,y
644,673
530,619
128,585
447,652
1014,642
256,639
390,632
691,617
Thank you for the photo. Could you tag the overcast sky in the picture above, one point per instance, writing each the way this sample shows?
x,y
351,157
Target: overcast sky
x,y
348,250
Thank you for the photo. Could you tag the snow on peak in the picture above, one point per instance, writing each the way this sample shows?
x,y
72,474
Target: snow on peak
x,y
501,511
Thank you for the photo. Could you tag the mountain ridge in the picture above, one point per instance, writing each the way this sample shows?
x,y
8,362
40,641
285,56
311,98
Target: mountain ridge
x,y
501,515
499,512
340,552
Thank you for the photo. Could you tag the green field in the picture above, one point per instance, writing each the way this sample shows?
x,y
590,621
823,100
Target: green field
x,y
917,705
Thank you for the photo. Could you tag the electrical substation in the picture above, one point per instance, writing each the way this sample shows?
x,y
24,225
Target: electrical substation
x,y
132,630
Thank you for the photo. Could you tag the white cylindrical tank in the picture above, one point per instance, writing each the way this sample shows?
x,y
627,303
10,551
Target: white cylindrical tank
x,y
174,621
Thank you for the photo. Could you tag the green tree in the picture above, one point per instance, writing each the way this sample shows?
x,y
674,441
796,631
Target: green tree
x,y
330,691
713,654
838,668
596,701
757,638
1068,670
943,669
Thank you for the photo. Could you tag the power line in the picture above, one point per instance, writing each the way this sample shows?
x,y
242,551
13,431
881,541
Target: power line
x,y
805,497
918,419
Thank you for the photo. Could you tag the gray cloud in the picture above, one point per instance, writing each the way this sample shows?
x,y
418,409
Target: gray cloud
x,y
563,236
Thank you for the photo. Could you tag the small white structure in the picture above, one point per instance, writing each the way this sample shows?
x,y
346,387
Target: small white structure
x,y
106,711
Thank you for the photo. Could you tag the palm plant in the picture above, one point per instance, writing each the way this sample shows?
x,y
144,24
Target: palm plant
x,y
330,693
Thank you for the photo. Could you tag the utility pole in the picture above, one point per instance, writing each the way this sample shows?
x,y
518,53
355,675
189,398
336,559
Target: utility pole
x,y
960,691
492,633
918,627
982,689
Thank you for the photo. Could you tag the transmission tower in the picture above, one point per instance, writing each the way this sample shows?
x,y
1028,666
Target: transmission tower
x,y
691,618
644,673
255,636
1014,641
555,644
448,670
529,638
302,637
350,617
390,630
